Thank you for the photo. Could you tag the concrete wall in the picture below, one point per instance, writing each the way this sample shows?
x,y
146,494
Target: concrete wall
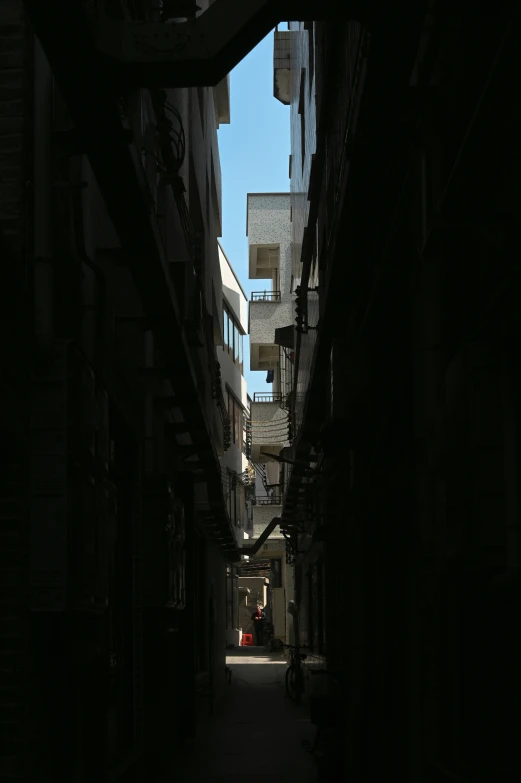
x,y
262,516
265,317
269,226
269,426
234,459
269,223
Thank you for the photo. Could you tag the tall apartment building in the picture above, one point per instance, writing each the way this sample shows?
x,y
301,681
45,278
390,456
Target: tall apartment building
x,y
271,328
402,499
237,478
113,416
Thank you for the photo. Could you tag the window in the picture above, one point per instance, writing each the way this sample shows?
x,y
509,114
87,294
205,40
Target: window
x,y
244,435
311,52
236,414
235,344
238,426
234,497
302,112
225,330
233,341
231,416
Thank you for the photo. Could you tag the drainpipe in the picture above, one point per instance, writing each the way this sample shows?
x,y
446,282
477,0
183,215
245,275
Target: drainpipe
x,y
43,266
149,407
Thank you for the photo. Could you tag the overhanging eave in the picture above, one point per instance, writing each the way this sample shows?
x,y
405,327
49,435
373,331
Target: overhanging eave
x,y
201,51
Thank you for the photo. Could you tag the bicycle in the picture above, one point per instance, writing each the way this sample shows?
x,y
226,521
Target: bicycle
x,y
328,715
294,680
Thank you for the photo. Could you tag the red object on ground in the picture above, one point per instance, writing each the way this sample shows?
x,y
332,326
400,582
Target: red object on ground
x,y
247,640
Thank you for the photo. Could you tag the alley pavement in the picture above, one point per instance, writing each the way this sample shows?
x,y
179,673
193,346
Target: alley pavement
x,y
256,732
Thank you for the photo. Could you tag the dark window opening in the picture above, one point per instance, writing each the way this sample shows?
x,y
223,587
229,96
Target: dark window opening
x,y
276,573
236,414
311,52
233,338
301,111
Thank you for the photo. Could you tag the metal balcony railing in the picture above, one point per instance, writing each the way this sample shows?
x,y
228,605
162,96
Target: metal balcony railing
x,y
261,397
265,296
266,500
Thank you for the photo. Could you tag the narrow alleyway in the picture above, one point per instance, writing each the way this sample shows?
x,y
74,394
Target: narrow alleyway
x,y
255,733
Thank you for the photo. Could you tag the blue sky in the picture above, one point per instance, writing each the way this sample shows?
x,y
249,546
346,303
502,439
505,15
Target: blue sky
x,y
254,151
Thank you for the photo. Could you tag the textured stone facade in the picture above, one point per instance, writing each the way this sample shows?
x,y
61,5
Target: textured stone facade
x,y
262,516
269,243
265,317
269,428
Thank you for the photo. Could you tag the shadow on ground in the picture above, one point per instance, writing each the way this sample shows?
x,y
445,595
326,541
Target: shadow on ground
x,y
256,732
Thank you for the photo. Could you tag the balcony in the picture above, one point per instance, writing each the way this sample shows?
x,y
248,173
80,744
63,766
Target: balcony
x,y
282,66
221,93
262,516
265,296
269,426
269,230
267,313
263,260
268,500
262,397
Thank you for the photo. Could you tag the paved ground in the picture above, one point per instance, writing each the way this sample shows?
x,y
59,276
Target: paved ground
x,y
256,733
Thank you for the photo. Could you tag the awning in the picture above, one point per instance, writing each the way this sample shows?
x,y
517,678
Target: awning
x,y
285,336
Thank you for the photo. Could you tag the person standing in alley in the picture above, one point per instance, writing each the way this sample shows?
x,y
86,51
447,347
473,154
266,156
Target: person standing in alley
x,y
259,621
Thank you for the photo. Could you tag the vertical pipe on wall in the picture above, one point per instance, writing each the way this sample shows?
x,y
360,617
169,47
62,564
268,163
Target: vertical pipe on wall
x,y
43,245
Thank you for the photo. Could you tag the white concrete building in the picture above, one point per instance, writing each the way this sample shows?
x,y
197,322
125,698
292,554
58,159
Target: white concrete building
x,y
271,319
271,326
234,462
